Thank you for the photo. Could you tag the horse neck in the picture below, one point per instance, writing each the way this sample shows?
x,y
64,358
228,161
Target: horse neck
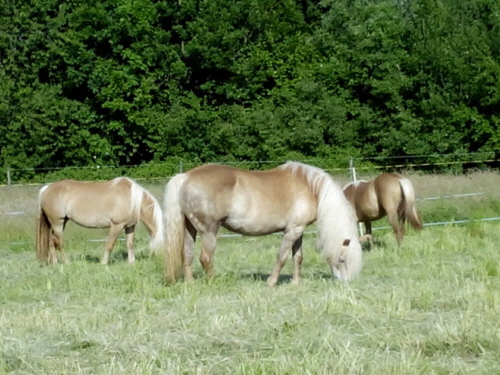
x,y
310,175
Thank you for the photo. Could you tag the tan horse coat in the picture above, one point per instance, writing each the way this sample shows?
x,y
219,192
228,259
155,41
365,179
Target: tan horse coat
x,y
255,203
389,194
118,204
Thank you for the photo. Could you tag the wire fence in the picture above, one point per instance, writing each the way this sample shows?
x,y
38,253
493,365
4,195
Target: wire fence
x,y
165,170
17,213
354,164
229,235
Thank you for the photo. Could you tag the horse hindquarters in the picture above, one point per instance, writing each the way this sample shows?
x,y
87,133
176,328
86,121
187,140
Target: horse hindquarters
x,y
408,206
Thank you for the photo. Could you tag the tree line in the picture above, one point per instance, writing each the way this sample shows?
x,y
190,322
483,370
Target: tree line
x,y
120,82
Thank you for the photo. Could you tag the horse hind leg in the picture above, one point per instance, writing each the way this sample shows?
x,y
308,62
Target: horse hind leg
x,y
189,240
209,241
289,239
57,243
397,226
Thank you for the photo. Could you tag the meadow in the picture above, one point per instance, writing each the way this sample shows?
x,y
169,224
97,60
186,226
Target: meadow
x,y
429,307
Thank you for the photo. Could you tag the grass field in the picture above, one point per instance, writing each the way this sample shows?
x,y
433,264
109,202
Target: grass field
x,y
429,307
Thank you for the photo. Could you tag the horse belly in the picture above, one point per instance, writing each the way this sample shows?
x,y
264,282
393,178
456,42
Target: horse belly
x,y
249,226
91,221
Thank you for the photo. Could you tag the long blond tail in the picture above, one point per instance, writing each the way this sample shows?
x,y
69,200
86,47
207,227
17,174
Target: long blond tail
x,y
42,233
409,211
174,224
158,238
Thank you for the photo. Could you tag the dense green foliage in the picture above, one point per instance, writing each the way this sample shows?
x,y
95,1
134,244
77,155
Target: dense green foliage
x,y
116,82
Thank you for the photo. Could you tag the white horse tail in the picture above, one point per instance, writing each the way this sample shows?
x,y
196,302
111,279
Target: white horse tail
x,y
408,209
158,237
174,223
338,239
137,194
42,231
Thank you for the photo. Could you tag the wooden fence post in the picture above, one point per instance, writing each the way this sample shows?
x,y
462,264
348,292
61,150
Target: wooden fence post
x,y
354,179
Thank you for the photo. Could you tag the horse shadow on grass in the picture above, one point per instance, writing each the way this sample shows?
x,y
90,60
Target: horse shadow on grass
x,y
282,279
377,243
117,256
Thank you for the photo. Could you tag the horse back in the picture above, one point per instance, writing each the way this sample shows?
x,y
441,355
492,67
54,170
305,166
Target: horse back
x,y
92,204
247,202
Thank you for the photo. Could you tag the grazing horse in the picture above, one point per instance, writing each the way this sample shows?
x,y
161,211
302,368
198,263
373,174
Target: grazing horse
x,y
255,203
391,195
116,204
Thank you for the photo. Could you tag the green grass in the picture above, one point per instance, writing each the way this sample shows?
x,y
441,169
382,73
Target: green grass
x,y
429,307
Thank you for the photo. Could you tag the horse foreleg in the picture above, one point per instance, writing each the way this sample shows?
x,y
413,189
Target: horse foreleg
x,y
289,238
297,260
368,236
114,231
209,241
189,239
129,231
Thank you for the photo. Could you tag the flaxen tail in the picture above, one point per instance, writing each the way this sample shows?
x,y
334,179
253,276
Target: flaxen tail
x,y
408,208
42,233
174,224
142,202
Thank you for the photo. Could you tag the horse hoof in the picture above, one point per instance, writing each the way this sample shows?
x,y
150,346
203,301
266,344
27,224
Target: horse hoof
x,y
271,283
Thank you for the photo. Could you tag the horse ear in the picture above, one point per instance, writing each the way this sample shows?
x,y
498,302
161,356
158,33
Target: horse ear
x,y
346,242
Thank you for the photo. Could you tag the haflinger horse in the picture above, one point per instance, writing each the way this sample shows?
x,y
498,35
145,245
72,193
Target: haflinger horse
x,y
254,203
389,194
117,204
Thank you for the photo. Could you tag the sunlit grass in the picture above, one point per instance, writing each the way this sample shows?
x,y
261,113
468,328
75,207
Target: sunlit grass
x,y
428,307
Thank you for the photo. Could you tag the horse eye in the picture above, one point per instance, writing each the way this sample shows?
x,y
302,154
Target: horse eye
x,y
346,242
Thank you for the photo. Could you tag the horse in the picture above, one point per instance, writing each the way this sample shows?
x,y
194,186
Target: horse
x,y
255,203
389,194
118,204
